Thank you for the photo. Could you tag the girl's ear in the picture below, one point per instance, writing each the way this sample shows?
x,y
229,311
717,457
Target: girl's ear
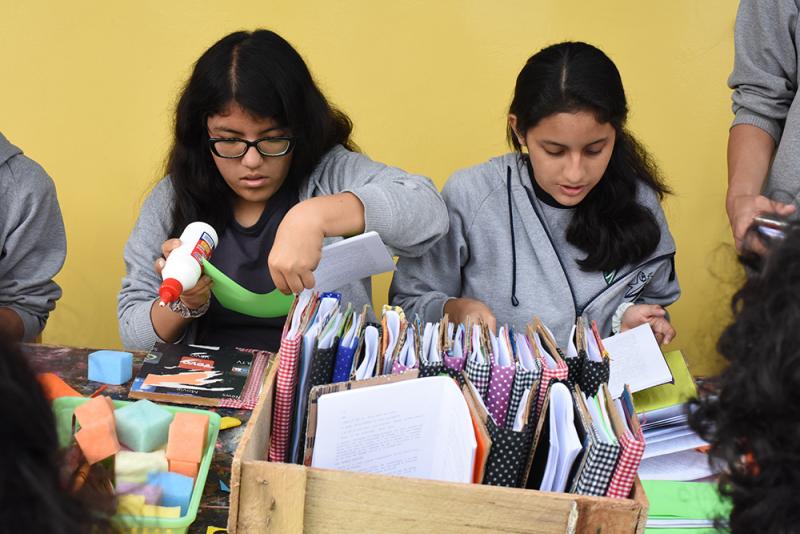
x,y
512,122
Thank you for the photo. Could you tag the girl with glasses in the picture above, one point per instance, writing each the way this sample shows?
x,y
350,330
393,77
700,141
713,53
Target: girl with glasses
x,y
260,154
569,223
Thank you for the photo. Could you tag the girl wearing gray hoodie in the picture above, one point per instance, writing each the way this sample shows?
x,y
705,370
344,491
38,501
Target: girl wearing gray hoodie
x,y
569,224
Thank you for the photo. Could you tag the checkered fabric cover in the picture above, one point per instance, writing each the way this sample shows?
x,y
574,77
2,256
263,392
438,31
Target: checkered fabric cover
x,y
479,374
523,379
628,465
284,395
594,478
500,382
252,389
559,373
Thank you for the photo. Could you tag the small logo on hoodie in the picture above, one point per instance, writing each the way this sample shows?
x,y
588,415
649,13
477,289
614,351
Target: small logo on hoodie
x,y
637,285
609,276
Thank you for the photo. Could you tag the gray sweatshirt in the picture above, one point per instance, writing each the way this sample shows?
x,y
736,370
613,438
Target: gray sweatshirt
x,y
406,210
33,244
764,82
477,259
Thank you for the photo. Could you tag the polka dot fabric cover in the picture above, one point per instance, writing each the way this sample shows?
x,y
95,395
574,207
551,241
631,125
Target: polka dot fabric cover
x,y
592,375
454,363
508,457
500,381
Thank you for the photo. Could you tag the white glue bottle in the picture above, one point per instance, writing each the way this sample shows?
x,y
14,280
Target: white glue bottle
x,y
184,264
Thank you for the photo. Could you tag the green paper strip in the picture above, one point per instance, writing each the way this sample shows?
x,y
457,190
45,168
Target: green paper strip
x,y
234,297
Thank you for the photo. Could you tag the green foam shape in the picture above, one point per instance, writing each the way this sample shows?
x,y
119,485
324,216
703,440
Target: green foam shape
x,y
236,298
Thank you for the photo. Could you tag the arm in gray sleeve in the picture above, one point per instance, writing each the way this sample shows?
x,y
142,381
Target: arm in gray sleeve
x,y
33,244
405,209
141,282
663,287
424,284
764,77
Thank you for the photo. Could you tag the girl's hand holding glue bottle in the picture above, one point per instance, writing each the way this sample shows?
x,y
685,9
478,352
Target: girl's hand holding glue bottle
x,y
185,290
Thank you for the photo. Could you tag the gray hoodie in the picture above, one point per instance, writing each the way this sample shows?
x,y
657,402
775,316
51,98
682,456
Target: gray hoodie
x,y
764,82
33,245
479,259
406,210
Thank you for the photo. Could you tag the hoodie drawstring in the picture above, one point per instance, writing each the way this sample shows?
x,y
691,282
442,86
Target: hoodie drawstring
x,y
514,299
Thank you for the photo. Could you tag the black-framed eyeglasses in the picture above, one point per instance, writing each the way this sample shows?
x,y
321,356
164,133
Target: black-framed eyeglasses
x,y
233,147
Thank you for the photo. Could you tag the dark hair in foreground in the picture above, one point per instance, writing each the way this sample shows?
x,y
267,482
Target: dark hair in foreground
x,y
263,74
33,495
609,224
753,423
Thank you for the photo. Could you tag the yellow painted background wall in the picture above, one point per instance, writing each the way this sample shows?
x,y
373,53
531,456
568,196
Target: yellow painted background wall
x,y
88,90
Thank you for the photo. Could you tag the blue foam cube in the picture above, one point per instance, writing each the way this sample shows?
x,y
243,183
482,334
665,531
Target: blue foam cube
x,y
110,366
143,426
176,489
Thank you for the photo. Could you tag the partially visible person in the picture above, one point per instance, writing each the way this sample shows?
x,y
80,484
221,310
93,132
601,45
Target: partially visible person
x,y
33,244
34,497
753,420
764,141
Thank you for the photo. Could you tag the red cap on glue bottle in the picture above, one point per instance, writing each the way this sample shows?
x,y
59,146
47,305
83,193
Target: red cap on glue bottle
x,y
169,291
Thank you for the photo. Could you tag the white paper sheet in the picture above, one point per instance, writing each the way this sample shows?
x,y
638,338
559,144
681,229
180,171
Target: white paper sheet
x,y
350,260
417,428
636,360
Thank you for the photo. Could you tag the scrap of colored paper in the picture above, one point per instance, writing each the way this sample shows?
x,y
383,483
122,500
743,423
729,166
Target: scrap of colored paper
x,y
228,422
236,298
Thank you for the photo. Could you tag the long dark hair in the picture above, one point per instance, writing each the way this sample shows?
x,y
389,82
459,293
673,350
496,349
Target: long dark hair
x,y
609,224
265,75
752,417
33,496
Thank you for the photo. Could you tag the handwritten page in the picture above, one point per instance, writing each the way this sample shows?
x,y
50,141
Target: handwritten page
x,y
350,260
416,428
636,360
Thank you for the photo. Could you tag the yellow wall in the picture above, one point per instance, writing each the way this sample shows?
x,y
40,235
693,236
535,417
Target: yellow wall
x,y
88,90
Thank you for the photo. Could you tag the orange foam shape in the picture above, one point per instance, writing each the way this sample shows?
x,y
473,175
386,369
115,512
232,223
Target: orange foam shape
x,y
95,410
187,437
188,469
54,387
97,441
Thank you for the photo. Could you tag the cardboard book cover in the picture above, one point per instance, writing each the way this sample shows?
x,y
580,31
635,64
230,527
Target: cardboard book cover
x,y
191,374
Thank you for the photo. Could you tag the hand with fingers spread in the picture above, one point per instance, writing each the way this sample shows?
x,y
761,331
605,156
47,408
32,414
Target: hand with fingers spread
x,y
195,297
654,315
464,310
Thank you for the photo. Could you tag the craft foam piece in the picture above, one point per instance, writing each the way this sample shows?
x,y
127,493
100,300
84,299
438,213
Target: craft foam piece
x,y
184,468
96,410
176,488
165,512
143,426
187,437
97,441
131,466
110,366
150,492
54,387
228,422
130,504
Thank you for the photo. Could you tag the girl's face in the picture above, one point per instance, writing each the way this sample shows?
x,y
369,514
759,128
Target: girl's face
x,y
253,177
569,153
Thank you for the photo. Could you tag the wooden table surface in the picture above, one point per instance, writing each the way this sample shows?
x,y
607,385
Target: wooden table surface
x,y
70,363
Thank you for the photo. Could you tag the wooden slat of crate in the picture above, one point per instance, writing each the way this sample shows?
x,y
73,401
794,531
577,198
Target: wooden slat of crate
x,y
285,498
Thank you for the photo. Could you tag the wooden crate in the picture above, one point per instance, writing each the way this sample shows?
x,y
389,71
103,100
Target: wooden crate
x,y
269,497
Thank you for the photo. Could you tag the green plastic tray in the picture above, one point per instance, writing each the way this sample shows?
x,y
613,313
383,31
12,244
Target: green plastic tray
x,y
64,407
